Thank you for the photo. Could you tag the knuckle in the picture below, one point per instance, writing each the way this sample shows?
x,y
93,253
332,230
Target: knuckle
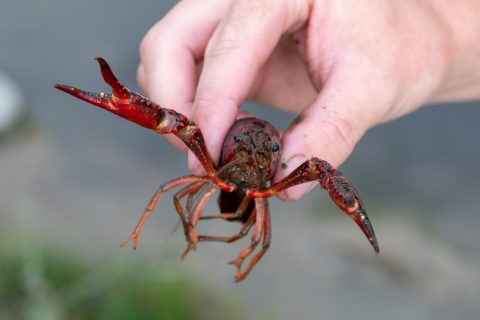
x,y
328,135
224,41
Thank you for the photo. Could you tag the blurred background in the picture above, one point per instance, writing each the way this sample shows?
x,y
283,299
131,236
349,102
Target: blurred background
x,y
74,181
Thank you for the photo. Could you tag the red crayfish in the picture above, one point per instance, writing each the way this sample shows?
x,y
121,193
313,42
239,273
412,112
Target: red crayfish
x,y
249,158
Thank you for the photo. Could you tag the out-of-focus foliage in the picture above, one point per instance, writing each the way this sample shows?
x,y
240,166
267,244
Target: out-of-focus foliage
x,y
38,283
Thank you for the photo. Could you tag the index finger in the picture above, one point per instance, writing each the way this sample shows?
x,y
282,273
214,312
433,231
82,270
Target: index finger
x,y
240,45
171,52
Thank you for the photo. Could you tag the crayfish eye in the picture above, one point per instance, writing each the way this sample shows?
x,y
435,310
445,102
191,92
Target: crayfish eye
x,y
237,137
275,147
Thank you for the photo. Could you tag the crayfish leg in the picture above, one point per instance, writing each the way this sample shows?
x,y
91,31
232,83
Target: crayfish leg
x,y
189,190
340,189
262,228
243,232
146,113
153,202
192,237
237,215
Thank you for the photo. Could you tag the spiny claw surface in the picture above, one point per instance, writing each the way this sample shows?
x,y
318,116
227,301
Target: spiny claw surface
x,y
339,188
122,101
146,113
347,199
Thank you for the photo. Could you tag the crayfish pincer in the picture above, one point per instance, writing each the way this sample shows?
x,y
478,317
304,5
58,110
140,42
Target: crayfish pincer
x,y
249,158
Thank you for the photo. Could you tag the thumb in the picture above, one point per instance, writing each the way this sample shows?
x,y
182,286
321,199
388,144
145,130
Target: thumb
x,y
328,129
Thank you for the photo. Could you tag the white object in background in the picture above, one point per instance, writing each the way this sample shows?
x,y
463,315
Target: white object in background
x,y
12,102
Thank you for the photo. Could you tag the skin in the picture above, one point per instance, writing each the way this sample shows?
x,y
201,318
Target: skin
x,y
343,65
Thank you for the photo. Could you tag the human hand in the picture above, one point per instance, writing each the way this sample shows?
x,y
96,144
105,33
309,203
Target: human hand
x,y
343,66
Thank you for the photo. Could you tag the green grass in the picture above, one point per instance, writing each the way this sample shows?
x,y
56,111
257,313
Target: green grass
x,y
41,283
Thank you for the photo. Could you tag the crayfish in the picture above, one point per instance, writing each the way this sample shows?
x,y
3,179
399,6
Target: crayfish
x,y
249,159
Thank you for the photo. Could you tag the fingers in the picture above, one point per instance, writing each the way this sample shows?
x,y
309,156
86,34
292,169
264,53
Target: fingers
x,y
330,127
171,55
285,82
240,45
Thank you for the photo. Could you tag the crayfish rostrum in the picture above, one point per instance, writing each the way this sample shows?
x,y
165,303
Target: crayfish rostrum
x,y
249,158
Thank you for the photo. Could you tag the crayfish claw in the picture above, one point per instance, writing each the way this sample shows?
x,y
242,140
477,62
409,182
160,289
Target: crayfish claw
x,y
101,100
146,113
343,193
367,228
363,221
118,88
